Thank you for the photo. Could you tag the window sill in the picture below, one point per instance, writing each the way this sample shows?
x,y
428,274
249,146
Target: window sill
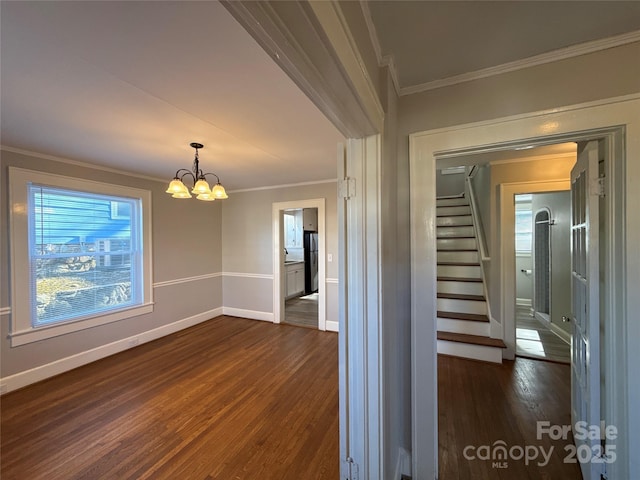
x,y
44,332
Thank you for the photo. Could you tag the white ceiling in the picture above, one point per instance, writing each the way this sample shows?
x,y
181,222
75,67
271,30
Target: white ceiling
x,y
129,85
436,40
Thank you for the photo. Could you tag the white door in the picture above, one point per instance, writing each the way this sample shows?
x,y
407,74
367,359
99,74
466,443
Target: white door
x,y
585,340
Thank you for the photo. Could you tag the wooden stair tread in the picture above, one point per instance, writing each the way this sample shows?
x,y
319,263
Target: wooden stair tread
x,y
459,264
472,317
471,339
456,225
458,279
462,296
452,214
454,237
457,250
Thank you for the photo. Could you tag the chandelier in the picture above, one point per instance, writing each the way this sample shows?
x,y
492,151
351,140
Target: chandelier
x,y
200,188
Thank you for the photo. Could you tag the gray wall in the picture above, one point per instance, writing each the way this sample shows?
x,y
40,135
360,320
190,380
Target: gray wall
x,y
566,82
176,256
524,282
528,90
447,185
247,245
522,171
395,296
559,203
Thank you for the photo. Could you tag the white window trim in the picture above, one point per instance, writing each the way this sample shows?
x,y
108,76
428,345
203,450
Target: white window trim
x,y
524,205
21,329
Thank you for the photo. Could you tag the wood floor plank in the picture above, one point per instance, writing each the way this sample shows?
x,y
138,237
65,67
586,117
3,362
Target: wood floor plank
x,y
482,403
229,399
536,340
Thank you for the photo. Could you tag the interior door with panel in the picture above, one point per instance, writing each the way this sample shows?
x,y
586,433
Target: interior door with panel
x,y
585,316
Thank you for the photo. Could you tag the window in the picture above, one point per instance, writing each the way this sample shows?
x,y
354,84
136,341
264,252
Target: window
x,y
524,224
81,254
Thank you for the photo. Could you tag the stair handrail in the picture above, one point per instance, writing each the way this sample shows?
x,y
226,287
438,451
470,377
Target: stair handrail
x,y
484,253
477,222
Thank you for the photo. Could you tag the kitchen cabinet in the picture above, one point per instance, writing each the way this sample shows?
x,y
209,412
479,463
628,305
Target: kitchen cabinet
x,y
310,219
294,279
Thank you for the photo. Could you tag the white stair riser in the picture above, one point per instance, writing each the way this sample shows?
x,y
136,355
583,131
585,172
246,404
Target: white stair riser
x,y
463,326
466,257
462,306
463,288
446,202
444,211
456,243
460,220
455,231
459,271
466,350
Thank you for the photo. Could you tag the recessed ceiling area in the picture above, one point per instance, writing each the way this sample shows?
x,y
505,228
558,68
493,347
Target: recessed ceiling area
x,y
436,40
129,85
511,155
546,152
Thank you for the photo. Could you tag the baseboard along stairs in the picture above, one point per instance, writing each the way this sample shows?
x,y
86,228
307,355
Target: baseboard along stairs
x,y
463,324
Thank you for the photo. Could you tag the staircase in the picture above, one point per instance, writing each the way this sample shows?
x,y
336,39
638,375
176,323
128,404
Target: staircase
x,y
463,324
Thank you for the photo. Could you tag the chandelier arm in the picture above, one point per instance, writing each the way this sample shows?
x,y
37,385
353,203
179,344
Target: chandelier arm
x,y
177,175
217,177
186,172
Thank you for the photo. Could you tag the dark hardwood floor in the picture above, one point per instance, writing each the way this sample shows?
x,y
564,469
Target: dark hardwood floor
x,y
227,399
482,403
535,340
302,311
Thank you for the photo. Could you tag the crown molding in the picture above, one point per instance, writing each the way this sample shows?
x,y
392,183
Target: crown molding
x,y
311,42
549,57
286,185
78,163
383,60
336,27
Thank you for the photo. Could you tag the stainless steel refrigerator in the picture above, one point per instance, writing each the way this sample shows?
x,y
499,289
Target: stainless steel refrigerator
x,y
310,262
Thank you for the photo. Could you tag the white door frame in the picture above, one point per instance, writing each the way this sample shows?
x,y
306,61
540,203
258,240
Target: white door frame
x,y
508,251
277,210
360,363
618,119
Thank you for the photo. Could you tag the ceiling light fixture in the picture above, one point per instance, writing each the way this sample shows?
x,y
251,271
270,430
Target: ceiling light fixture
x,y
201,188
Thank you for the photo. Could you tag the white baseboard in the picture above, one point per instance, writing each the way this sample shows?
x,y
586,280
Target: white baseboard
x,y
403,465
566,336
523,302
495,329
331,326
22,379
542,317
251,314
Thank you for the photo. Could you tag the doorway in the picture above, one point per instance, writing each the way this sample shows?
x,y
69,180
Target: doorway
x,y
299,286
575,123
301,267
543,275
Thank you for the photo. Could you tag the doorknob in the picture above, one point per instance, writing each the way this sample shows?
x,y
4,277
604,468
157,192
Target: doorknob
x,y
566,319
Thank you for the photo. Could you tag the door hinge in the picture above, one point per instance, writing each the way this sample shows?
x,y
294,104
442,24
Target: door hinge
x,y
350,470
347,188
598,186
604,458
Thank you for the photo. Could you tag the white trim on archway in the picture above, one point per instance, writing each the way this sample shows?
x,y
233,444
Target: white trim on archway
x,y
278,209
617,119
